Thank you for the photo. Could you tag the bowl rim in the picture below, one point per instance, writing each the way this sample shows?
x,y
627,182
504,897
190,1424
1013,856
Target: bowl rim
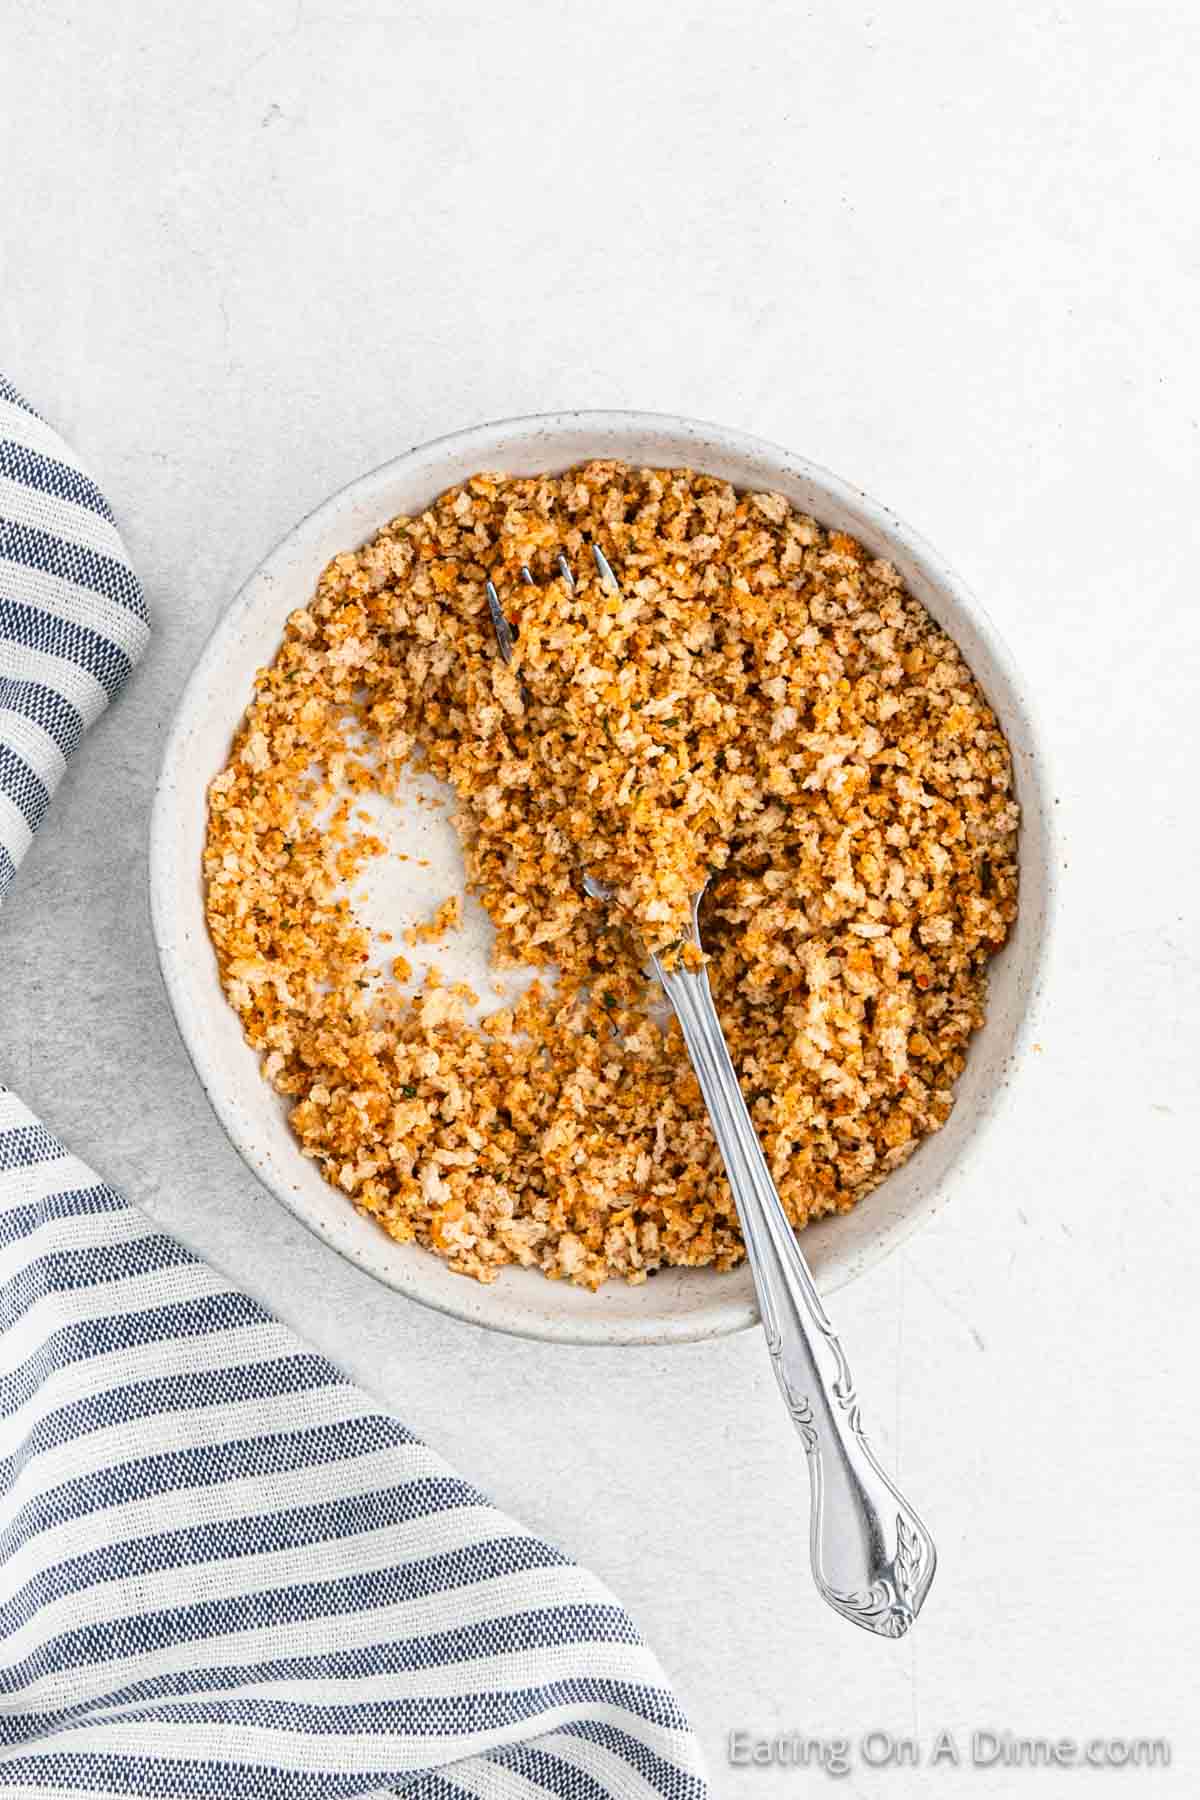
x,y
736,1312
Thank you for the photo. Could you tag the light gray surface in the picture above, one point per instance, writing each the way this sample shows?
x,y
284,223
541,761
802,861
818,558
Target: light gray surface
x,y
250,250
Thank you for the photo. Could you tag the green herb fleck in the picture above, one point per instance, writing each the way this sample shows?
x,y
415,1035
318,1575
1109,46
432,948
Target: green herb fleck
x,y
410,1093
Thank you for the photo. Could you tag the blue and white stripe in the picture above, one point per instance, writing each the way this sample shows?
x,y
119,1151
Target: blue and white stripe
x,y
73,619
224,1573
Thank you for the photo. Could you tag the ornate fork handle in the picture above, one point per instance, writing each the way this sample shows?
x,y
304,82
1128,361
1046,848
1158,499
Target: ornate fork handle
x,y
872,1557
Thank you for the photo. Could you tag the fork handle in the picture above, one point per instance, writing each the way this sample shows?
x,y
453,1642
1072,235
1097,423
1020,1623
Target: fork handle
x,y
872,1557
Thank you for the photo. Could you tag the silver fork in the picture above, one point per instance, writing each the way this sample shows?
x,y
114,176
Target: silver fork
x,y
872,1557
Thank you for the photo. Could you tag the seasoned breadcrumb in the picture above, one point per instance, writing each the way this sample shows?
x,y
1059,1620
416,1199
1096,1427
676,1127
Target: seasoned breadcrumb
x,y
447,918
763,707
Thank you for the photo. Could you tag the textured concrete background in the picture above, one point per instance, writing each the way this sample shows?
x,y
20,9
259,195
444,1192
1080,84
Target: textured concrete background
x,y
249,250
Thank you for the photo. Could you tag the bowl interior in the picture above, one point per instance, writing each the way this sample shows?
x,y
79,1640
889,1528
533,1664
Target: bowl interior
x,y
678,1305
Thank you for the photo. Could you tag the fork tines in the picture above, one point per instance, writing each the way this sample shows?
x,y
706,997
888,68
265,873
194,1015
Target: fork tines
x,y
505,636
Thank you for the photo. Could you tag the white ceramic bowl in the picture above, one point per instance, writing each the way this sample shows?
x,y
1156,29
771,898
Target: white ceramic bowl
x,y
678,1305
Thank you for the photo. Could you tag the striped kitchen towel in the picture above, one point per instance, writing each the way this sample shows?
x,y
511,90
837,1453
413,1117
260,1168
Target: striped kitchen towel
x,y
224,1573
